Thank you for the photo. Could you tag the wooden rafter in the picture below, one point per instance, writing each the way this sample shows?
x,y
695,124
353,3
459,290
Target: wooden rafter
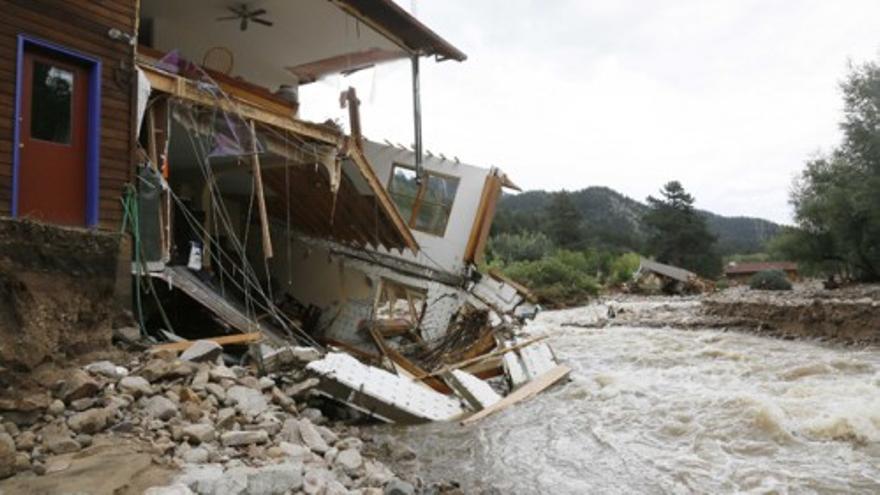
x,y
391,233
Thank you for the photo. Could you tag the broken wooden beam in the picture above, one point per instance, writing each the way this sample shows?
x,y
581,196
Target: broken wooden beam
x,y
237,339
478,359
527,391
393,327
261,197
413,369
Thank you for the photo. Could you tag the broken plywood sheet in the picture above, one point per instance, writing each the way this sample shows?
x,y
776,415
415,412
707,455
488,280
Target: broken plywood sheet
x,y
375,391
529,362
497,294
478,394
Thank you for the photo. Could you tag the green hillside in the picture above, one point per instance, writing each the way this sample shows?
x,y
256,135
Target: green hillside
x,y
611,220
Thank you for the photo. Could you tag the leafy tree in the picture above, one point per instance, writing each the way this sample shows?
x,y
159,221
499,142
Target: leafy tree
x,y
837,197
678,233
623,267
563,221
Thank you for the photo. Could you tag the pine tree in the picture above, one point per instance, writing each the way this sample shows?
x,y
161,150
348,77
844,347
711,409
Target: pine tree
x,y
563,221
678,233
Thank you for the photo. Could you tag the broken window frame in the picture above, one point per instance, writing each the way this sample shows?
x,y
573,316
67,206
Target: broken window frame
x,y
419,200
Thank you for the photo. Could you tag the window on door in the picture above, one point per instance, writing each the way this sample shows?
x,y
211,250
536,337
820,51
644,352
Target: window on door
x,y
51,103
426,207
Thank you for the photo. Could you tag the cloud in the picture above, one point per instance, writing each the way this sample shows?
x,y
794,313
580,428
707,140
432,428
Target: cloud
x,y
730,97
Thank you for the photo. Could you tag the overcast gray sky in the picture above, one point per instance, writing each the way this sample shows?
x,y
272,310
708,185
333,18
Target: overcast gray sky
x,y
728,96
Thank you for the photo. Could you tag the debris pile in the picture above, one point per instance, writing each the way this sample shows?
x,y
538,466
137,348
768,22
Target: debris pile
x,y
655,278
227,430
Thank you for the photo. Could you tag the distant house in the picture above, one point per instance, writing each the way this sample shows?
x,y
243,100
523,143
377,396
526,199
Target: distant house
x,y
741,272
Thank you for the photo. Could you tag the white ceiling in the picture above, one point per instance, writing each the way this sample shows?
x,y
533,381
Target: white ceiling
x,y
304,31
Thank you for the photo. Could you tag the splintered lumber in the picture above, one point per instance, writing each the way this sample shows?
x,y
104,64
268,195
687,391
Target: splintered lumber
x,y
478,359
402,362
486,369
527,391
237,339
261,197
393,327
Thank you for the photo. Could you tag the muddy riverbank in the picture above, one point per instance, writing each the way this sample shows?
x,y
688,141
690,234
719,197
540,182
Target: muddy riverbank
x,y
661,409
850,315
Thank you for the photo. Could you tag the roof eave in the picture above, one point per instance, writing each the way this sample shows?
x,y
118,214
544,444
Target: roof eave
x,y
396,24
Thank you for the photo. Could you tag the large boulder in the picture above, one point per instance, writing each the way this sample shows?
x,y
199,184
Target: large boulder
x,y
78,385
176,489
7,455
58,439
107,370
399,487
91,421
246,437
311,437
248,401
199,433
136,386
349,460
160,407
156,369
275,479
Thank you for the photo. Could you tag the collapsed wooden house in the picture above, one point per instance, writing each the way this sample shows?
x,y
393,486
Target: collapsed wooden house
x,y
179,122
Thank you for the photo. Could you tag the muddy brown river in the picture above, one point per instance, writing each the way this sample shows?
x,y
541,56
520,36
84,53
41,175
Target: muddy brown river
x,y
674,411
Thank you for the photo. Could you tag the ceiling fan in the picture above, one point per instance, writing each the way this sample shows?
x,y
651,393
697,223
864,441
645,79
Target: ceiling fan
x,y
245,15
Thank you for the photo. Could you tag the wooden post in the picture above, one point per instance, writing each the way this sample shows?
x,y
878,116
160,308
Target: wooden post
x,y
349,98
261,198
208,207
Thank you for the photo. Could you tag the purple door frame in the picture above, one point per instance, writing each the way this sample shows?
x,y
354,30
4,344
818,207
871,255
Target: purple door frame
x,y
93,139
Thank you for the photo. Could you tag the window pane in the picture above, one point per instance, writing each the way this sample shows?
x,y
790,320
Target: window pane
x,y
404,190
51,97
441,190
404,204
432,218
403,181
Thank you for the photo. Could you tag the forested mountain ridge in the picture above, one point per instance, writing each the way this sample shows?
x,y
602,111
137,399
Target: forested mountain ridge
x,y
611,220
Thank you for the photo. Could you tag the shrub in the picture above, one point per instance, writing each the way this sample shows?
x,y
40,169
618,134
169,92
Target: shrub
x,y
623,267
527,246
561,279
770,280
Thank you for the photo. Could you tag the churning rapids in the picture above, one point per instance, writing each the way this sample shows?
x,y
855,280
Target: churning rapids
x,y
674,411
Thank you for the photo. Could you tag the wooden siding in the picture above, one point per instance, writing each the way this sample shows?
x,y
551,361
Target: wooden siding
x,y
80,25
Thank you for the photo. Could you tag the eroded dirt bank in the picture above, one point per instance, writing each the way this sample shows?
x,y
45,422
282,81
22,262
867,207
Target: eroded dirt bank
x,y
56,292
849,315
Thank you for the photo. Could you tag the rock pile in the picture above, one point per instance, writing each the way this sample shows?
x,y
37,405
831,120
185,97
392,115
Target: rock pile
x,y
226,430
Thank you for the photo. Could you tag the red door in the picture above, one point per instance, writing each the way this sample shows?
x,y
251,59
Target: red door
x,y
54,131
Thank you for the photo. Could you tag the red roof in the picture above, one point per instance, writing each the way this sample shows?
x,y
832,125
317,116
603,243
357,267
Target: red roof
x,y
754,267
